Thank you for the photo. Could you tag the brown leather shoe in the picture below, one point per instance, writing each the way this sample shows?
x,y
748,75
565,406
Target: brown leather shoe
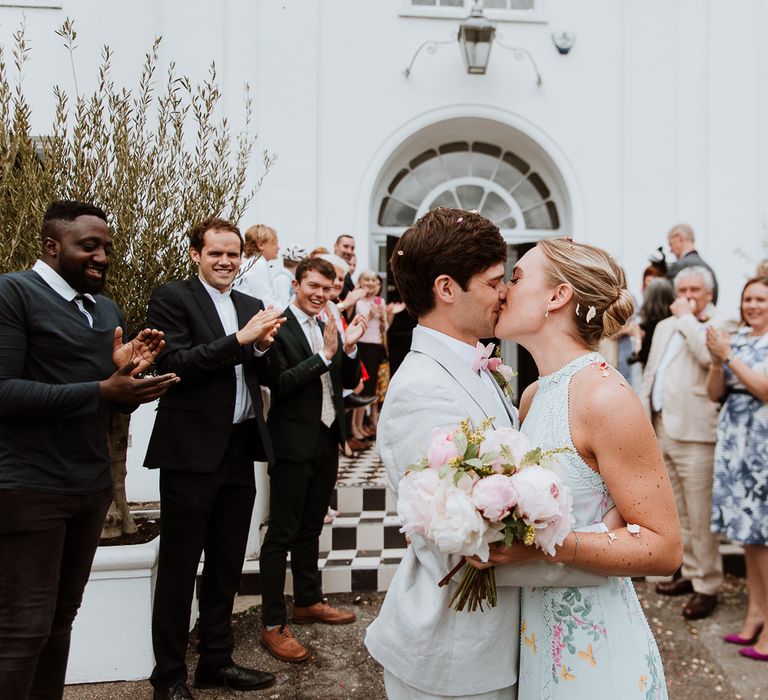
x,y
281,643
681,586
699,606
322,612
358,444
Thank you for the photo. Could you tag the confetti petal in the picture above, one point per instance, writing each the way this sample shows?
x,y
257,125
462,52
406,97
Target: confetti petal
x,y
591,313
578,306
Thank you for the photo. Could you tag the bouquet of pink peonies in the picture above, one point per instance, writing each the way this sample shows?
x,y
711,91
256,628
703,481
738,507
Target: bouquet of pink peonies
x,y
476,487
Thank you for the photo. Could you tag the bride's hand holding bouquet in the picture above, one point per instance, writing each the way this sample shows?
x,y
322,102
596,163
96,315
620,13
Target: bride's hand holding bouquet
x,y
479,487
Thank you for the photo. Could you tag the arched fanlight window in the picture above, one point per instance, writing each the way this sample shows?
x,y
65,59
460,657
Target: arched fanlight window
x,y
482,176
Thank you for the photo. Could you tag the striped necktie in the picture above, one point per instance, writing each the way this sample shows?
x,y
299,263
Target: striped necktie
x,y
328,412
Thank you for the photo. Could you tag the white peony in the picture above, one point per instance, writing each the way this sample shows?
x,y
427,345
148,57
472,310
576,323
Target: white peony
x,y
514,440
455,525
414,500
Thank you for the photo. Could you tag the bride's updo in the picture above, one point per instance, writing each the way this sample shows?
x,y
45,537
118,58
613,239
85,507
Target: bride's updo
x,y
601,303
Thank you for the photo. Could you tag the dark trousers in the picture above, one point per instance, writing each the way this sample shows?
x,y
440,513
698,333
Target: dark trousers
x,y
300,493
208,513
47,544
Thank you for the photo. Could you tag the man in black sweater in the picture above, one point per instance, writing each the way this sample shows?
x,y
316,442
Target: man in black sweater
x,y
63,368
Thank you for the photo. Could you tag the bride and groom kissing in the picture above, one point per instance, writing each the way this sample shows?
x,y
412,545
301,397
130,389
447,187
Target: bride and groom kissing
x,y
567,626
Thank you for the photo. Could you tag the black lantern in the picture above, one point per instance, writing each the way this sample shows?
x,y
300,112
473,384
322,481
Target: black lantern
x,y
476,36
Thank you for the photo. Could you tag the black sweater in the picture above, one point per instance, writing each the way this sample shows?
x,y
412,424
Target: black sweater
x,y
53,424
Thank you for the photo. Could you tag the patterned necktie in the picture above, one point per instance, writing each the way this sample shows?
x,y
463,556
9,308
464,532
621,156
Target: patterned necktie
x,y
79,302
328,412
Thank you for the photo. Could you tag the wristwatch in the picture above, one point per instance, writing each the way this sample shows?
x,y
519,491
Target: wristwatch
x,y
727,360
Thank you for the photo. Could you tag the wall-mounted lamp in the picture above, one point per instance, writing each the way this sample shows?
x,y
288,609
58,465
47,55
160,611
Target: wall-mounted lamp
x,y
476,36
563,41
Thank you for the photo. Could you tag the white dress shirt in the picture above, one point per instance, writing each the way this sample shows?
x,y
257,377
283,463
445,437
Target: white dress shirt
x,y
467,353
308,329
225,308
259,281
59,285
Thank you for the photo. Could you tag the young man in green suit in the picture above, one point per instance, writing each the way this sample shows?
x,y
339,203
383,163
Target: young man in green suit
x,y
309,365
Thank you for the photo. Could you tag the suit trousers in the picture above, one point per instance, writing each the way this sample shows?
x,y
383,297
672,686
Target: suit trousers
x,y
47,544
300,493
399,690
201,512
691,471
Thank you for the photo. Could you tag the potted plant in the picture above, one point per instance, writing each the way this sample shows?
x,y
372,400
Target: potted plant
x,y
131,153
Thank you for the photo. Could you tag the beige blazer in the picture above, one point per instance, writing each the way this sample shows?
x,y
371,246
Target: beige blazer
x,y
687,414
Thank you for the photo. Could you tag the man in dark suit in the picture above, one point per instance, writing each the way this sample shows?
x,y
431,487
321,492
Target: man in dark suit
x,y
344,247
205,439
309,367
682,243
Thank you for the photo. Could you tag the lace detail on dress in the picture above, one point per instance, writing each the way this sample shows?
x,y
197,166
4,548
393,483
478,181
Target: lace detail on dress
x,y
594,641
549,424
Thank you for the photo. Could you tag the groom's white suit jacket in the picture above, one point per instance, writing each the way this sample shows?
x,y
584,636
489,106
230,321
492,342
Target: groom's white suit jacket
x,y
416,636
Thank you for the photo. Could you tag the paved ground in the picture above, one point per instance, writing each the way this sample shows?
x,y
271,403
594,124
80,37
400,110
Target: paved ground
x,y
698,665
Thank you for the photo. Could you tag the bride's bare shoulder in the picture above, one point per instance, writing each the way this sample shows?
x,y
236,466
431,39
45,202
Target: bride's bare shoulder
x,y
527,398
599,390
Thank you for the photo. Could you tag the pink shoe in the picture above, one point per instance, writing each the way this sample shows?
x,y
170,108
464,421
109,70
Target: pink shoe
x,y
743,641
752,653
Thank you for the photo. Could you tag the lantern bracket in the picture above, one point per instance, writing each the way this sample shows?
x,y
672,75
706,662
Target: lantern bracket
x,y
520,54
431,47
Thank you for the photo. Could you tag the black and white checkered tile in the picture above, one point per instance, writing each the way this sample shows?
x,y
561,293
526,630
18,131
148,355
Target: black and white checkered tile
x,y
361,549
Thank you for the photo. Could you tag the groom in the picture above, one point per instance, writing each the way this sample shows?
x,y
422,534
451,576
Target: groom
x,y
449,269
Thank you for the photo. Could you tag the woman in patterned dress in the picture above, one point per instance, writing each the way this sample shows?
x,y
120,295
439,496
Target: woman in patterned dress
x,y
738,376
590,643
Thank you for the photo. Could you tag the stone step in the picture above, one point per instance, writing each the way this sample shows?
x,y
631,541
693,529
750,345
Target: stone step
x,y
359,550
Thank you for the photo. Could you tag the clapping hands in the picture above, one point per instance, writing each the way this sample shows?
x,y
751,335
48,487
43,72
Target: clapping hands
x,y
718,344
354,332
143,349
261,329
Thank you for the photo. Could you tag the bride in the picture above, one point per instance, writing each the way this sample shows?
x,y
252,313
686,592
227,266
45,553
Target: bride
x,y
588,642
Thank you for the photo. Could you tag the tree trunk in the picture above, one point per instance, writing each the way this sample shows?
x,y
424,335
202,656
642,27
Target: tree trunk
x,y
119,520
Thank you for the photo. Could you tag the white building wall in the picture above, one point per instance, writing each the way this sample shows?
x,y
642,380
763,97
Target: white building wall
x,y
657,112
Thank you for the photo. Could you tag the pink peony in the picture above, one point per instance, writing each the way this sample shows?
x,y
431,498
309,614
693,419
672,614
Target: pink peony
x,y
415,494
442,449
513,439
495,496
556,529
544,503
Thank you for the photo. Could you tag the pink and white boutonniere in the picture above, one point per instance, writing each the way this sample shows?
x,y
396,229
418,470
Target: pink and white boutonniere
x,y
503,374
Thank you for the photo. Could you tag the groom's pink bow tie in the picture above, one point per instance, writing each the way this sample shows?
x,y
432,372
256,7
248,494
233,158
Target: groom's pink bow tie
x,y
483,359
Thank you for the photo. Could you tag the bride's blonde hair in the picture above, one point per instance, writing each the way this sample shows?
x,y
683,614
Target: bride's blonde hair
x,y
598,283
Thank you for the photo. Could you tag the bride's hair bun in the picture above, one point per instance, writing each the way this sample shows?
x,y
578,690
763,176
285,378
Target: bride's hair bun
x,y
618,313
601,304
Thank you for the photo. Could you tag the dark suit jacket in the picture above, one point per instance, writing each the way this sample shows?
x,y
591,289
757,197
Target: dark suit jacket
x,y
194,418
691,259
297,391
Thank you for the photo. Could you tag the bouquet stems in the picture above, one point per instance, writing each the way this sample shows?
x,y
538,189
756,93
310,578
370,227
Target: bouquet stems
x,y
476,586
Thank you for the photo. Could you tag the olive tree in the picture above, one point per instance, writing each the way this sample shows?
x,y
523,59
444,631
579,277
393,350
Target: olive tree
x,y
156,160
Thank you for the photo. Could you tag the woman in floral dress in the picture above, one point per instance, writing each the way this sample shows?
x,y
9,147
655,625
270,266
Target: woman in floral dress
x,y
738,376
589,643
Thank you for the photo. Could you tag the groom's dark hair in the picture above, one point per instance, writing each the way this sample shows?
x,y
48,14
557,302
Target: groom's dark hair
x,y
445,241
